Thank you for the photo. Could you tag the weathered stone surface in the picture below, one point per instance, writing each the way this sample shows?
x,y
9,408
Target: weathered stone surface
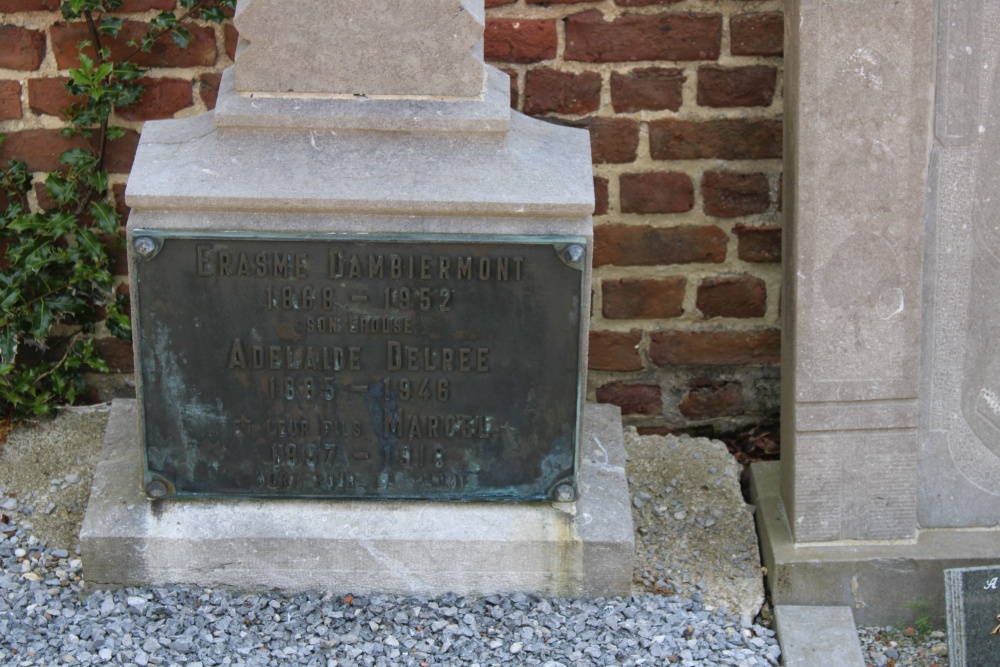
x,y
856,150
489,114
877,580
818,636
688,508
364,547
959,443
377,47
535,170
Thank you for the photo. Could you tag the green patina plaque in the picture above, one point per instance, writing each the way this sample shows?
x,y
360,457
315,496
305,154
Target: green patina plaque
x,y
381,367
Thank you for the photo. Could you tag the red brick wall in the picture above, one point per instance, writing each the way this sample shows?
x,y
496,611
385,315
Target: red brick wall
x,y
682,99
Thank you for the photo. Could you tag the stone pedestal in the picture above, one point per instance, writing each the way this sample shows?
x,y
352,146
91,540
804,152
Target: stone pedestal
x,y
351,339
557,549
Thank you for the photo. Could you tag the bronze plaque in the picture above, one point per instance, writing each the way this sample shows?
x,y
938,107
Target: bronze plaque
x,y
359,366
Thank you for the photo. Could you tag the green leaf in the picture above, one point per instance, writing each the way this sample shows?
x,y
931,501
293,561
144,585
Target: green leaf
x,y
129,72
77,157
90,244
8,345
213,14
41,321
115,133
105,216
61,190
181,37
163,21
118,322
61,223
96,181
111,26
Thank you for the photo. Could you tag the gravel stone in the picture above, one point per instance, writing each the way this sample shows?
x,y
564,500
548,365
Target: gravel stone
x,y
884,646
47,617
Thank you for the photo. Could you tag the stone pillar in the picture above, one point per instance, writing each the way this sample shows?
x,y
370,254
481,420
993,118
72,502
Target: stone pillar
x,y
890,468
858,105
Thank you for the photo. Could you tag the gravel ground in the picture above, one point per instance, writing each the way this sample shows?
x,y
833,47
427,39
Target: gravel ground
x,y
48,618
892,647
694,532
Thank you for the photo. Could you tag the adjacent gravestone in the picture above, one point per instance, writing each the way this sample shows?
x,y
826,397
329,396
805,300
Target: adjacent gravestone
x,y
890,468
973,616
361,289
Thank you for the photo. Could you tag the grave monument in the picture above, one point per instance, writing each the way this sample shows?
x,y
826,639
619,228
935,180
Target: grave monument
x,y
361,294
890,469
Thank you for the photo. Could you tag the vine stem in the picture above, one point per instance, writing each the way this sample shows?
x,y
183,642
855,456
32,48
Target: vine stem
x,y
102,137
155,36
69,348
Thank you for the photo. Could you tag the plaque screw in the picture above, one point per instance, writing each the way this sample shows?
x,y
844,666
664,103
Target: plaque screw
x,y
145,247
574,253
156,489
565,492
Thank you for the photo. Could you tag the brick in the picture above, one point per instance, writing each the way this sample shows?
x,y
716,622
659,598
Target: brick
x,y
4,243
162,98
200,52
49,97
633,399
726,139
28,5
548,90
751,86
613,140
114,246
643,298
498,3
716,348
757,34
117,353
633,37
232,38
208,88
520,40
41,149
121,153
615,350
118,189
729,194
651,88
600,195
759,244
732,296
145,5
556,2
656,193
628,245
709,399
513,87
10,100
22,49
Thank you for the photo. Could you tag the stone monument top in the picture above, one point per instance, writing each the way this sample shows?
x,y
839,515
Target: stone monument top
x,y
411,49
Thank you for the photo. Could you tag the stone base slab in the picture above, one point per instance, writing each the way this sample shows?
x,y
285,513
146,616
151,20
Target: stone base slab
x,y
580,549
817,637
879,581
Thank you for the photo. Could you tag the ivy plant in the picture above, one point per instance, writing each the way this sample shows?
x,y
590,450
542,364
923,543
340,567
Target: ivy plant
x,y
56,283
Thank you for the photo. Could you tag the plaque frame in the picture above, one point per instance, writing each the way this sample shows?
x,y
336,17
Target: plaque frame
x,y
145,245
